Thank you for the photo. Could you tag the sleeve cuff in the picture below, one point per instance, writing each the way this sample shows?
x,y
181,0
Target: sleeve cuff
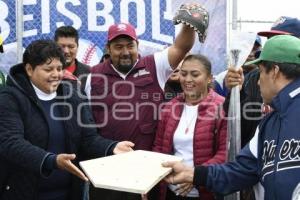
x,y
200,176
49,165
110,149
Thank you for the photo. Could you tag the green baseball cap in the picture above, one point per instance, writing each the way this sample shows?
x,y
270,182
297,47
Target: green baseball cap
x,y
280,49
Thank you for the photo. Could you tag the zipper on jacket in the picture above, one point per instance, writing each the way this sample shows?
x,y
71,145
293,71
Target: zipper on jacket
x,y
277,149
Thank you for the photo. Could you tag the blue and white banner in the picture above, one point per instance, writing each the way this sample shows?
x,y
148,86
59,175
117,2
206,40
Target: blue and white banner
x,y
152,19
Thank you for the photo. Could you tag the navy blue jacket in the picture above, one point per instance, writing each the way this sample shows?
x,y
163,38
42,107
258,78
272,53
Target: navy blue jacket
x,y
272,157
24,134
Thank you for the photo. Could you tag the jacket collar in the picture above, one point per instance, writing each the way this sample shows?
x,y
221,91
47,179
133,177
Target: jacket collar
x,y
19,79
285,97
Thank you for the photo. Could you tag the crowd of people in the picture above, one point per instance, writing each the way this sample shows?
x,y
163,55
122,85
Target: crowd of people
x,y
168,102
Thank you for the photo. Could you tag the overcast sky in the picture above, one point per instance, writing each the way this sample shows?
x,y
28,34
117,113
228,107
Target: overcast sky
x,y
265,10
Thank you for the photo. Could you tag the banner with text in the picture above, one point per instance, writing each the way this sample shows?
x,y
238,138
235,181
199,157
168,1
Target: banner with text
x,y
152,19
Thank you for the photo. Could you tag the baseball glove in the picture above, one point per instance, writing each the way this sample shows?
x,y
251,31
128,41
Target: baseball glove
x,y
195,16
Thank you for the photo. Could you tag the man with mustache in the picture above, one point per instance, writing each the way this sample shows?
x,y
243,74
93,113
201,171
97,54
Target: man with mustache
x,y
127,90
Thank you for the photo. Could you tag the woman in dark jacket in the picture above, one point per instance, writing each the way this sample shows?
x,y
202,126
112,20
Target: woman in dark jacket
x,y
192,126
45,130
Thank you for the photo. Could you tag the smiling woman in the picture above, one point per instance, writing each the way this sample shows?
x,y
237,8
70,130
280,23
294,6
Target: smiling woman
x,y
40,132
46,76
44,69
195,78
191,127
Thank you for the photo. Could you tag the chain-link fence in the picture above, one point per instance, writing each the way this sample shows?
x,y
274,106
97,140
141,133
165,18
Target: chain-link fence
x,y
152,19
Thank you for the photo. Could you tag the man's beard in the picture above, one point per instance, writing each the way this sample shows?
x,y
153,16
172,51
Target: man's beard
x,y
125,68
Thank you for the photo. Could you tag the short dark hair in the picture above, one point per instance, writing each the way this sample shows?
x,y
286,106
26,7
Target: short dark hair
x,y
40,51
289,70
66,31
202,59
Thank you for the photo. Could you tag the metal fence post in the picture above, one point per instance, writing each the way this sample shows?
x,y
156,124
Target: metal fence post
x,y
19,29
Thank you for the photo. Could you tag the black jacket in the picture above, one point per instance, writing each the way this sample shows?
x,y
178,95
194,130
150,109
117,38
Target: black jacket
x,y
81,72
24,135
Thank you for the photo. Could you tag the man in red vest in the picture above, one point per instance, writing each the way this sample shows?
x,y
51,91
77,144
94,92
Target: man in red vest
x,y
127,90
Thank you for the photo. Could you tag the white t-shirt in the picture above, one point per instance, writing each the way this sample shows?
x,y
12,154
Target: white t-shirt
x,y
163,71
183,140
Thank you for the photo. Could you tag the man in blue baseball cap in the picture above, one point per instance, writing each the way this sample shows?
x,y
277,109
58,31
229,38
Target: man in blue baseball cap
x,y
283,26
272,156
